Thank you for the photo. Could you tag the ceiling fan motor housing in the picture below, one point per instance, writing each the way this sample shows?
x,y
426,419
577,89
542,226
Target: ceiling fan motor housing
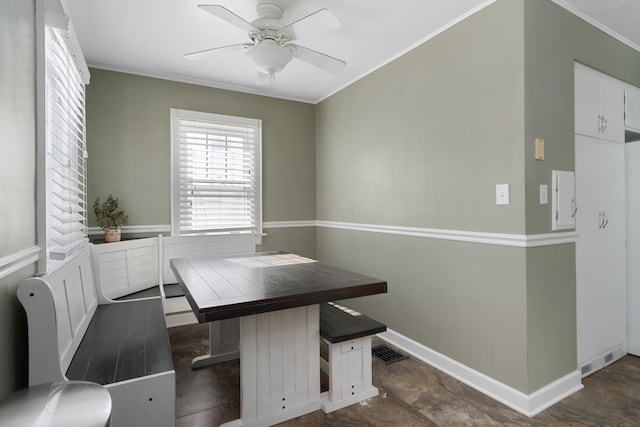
x,y
269,16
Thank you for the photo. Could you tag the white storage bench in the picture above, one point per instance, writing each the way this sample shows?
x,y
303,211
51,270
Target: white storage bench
x,y
348,337
123,345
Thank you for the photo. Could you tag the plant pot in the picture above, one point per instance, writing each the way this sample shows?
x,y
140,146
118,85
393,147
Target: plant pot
x,y
112,235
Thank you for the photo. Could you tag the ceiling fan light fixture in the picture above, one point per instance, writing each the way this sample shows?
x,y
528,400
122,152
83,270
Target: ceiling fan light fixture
x,y
268,57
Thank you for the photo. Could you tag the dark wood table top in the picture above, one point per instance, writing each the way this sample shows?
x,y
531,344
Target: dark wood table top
x,y
232,286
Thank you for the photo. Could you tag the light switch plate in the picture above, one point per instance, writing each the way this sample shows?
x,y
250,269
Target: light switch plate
x,y
539,149
502,194
544,194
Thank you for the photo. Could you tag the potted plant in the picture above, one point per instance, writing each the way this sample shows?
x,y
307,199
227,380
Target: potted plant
x,y
109,218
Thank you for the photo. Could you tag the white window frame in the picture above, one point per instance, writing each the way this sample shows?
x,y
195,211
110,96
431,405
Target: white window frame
x,y
178,180
62,155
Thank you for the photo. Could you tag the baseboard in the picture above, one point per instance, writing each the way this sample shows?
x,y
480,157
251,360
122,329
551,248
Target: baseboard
x,y
528,405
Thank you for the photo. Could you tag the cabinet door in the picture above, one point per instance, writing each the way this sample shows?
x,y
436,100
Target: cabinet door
x,y
612,110
633,255
587,102
599,105
600,248
632,109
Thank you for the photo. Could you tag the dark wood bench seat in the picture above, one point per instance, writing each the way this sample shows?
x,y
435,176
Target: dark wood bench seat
x,y
338,325
123,342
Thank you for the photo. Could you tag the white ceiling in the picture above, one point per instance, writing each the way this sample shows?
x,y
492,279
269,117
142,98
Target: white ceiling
x,y
150,37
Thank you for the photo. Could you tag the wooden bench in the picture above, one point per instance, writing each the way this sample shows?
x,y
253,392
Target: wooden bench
x,y
348,337
76,333
140,267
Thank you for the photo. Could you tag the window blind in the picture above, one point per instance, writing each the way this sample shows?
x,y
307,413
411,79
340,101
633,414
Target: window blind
x,y
216,173
66,155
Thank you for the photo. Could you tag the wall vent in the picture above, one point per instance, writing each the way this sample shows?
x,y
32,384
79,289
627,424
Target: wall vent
x,y
614,354
585,369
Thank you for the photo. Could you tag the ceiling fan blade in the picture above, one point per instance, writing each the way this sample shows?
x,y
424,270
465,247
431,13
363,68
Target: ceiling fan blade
x,y
320,60
204,53
224,13
317,22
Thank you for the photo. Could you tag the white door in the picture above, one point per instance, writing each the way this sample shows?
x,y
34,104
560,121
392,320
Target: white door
x,y
600,248
633,254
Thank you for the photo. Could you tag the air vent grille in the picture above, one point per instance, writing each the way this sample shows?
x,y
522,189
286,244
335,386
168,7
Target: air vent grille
x,y
387,354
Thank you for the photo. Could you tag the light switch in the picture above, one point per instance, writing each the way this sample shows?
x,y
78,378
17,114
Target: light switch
x,y
544,194
539,149
502,194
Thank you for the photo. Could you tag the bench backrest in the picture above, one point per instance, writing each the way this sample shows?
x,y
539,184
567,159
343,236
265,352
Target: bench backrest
x,y
126,267
59,307
197,246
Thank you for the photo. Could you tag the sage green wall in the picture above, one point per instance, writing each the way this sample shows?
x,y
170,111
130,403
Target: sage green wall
x,y
466,301
422,142
549,108
17,178
129,149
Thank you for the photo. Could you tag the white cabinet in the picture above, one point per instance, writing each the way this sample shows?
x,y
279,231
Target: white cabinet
x,y
633,246
632,108
599,105
601,300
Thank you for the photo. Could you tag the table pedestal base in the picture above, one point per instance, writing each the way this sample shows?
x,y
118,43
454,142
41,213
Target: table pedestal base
x,y
279,366
224,341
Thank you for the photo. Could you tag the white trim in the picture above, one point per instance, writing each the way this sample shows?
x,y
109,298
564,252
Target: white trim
x,y
161,228
580,14
290,224
514,240
18,260
529,405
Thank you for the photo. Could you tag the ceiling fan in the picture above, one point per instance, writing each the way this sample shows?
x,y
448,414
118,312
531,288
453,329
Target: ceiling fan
x,y
271,47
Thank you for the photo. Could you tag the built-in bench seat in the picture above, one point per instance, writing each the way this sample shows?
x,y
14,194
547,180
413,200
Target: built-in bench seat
x,y
141,267
347,334
123,342
76,333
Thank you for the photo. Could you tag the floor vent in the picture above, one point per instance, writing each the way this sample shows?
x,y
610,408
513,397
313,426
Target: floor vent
x,y
584,370
387,354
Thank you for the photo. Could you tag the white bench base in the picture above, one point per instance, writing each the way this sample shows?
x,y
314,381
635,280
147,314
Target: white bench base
x,y
349,370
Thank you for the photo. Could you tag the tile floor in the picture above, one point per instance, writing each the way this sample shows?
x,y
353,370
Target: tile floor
x,y
412,393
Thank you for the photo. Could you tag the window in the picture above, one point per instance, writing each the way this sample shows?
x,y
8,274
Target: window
x,y
215,174
64,199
